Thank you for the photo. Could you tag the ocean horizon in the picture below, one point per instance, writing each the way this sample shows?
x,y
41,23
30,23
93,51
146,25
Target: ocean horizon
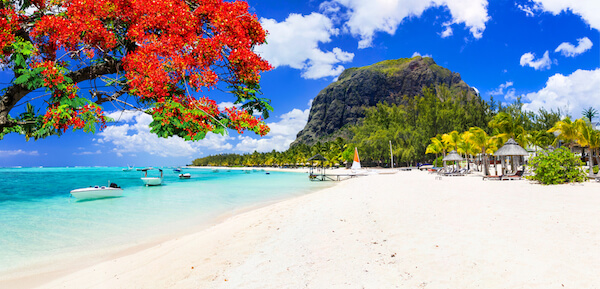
x,y
40,222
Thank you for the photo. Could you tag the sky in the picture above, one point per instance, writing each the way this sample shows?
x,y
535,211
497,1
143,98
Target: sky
x,y
546,51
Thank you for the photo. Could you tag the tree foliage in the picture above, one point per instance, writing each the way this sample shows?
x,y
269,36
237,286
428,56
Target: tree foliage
x,y
557,167
410,126
154,51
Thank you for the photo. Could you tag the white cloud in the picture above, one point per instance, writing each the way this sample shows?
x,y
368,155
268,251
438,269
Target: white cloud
x,y
586,9
282,134
540,64
295,43
215,142
570,50
365,18
419,54
571,93
529,10
123,115
447,32
11,153
501,88
87,153
134,136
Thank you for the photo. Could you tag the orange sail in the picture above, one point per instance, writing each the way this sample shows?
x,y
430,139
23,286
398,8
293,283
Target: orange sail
x,y
356,162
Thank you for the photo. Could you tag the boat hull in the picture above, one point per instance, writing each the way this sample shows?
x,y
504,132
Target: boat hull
x,y
152,181
185,176
97,193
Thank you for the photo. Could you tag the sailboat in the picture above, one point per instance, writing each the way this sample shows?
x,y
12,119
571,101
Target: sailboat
x,y
356,162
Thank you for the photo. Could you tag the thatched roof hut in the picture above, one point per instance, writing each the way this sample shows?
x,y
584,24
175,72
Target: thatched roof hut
x,y
511,148
452,156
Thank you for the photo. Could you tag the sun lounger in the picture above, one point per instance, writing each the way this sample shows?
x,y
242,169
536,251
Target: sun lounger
x,y
517,176
456,173
492,178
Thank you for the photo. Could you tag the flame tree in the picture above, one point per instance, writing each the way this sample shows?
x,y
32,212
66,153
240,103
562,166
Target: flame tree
x,y
148,55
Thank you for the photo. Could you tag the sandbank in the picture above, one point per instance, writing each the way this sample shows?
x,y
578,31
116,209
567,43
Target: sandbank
x,y
403,230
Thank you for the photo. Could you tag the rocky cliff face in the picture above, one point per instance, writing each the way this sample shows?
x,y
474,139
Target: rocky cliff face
x,y
343,102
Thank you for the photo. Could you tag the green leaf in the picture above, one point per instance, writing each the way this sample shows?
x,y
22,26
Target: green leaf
x,y
22,79
20,60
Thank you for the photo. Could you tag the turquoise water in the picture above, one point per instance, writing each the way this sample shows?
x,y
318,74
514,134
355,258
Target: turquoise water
x,y
40,222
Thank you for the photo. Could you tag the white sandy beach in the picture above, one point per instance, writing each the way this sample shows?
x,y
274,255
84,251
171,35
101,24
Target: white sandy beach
x,y
405,230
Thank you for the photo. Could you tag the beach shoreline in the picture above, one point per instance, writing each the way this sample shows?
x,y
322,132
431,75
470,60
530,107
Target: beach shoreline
x,y
42,272
401,230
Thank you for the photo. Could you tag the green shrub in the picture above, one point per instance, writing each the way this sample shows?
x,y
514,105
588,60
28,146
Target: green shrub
x,y
557,167
595,169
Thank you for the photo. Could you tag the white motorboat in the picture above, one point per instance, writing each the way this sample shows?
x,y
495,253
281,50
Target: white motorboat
x,y
98,192
185,176
128,169
152,181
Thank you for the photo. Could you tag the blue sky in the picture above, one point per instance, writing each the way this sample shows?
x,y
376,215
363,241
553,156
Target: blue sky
x,y
547,51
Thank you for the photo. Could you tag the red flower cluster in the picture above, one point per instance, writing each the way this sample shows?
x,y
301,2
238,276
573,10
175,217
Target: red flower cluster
x,y
61,114
9,24
241,120
54,80
164,45
61,117
81,26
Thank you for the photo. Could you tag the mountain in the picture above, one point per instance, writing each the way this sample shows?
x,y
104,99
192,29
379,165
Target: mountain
x,y
343,102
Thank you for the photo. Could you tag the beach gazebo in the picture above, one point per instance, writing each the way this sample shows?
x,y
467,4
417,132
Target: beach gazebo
x,y
452,156
511,149
312,176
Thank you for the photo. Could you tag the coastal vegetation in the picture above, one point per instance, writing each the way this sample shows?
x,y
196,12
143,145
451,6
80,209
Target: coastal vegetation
x,y
141,55
557,167
427,127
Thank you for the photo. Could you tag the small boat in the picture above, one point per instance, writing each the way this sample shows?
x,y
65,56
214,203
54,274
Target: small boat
x,y
152,181
185,176
96,192
267,173
215,171
128,169
177,170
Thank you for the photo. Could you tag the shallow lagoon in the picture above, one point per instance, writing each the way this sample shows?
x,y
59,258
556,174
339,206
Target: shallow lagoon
x,y
40,222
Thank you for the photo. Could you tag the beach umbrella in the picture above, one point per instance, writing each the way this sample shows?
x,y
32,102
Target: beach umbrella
x,y
452,156
511,149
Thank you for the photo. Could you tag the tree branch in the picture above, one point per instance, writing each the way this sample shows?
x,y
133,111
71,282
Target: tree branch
x,y
16,92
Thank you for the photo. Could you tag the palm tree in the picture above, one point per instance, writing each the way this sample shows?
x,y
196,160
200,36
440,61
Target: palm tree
x,y
541,139
505,127
594,145
590,113
435,147
464,146
451,139
587,136
467,147
567,132
480,138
